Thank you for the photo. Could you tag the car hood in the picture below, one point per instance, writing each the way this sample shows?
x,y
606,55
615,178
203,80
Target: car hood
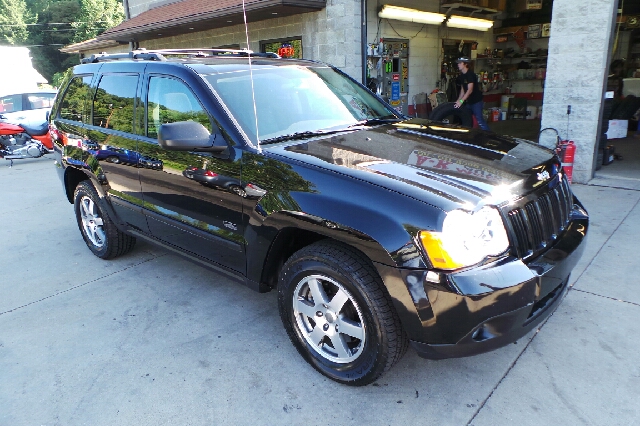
x,y
443,165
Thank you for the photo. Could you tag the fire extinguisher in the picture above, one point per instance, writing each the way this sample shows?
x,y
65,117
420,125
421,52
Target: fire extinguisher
x,y
566,150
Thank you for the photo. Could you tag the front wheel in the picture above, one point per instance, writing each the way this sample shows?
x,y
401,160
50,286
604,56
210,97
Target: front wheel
x,y
99,232
338,314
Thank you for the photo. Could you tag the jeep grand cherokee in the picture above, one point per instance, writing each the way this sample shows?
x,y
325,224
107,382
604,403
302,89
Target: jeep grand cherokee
x,y
377,231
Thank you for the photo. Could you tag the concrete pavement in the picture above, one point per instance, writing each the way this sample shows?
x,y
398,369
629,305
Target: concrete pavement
x,y
151,339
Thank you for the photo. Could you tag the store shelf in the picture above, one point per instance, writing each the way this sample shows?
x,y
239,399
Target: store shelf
x,y
511,59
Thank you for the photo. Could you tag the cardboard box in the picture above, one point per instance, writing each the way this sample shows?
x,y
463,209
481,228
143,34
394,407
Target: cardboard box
x,y
498,4
631,86
617,129
528,5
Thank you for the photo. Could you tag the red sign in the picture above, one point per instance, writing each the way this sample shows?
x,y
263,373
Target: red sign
x,y
396,77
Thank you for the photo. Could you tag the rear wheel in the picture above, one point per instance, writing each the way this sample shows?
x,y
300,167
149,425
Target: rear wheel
x,y
99,232
237,190
338,314
113,159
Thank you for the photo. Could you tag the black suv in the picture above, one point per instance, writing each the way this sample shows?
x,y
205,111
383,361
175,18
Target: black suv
x,y
377,230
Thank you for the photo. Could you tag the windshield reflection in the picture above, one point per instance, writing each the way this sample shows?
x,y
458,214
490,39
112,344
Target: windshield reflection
x,y
292,99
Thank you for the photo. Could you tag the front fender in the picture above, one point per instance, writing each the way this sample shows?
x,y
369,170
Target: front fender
x,y
381,223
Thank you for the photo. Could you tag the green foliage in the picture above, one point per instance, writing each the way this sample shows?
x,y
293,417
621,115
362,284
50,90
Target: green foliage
x,y
14,17
58,79
95,17
60,23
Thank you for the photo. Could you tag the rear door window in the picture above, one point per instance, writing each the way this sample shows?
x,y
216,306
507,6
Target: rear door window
x,y
74,105
114,102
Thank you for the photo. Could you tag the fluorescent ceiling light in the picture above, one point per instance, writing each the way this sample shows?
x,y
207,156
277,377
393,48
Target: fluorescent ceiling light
x,y
456,21
410,15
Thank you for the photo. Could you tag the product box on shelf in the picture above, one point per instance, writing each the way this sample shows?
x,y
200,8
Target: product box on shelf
x,y
498,4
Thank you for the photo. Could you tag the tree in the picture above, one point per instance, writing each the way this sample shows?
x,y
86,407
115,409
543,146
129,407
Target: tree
x,y
96,16
13,22
50,36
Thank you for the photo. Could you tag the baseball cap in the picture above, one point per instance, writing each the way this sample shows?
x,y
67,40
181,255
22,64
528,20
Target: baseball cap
x,y
463,59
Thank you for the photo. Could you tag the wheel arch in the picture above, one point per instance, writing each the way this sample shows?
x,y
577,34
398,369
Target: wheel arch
x,y
285,232
72,177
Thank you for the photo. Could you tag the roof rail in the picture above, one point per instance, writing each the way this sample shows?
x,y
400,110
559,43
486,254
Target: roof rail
x,y
160,55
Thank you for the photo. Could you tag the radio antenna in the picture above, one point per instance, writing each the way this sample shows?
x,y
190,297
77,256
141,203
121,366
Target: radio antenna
x,y
253,94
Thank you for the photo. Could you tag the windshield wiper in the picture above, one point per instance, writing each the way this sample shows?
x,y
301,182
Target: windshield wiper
x,y
375,121
321,132
299,135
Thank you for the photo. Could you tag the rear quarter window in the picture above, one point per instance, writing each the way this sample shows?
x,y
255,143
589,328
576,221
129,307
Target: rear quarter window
x,y
74,104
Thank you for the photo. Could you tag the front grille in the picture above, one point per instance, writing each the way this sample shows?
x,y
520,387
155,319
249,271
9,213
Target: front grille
x,y
539,222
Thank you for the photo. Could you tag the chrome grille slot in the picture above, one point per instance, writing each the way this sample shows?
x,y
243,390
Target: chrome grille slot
x,y
539,222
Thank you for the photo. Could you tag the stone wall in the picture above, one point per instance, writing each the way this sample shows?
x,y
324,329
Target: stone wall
x,y
330,35
579,50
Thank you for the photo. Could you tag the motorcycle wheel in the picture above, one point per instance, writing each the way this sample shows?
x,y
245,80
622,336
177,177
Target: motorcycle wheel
x,y
100,234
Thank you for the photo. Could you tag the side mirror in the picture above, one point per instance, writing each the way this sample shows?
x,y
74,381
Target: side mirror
x,y
189,136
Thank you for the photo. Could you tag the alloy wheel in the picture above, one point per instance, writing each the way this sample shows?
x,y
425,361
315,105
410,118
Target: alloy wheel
x,y
92,222
329,319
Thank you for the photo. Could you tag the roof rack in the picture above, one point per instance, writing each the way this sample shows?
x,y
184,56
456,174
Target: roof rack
x,y
161,55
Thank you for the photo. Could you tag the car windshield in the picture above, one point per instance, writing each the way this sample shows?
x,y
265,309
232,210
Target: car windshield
x,y
295,99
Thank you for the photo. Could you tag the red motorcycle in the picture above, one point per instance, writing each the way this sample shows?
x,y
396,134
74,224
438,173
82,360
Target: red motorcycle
x,y
18,141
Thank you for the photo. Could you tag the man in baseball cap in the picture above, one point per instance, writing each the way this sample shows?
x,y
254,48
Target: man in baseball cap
x,y
470,95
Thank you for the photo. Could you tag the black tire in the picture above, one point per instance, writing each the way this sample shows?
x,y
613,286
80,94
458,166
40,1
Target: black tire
x,y
238,191
98,231
346,274
113,159
626,109
449,114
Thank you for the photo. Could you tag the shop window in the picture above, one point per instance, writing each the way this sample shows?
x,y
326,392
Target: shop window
x,y
287,48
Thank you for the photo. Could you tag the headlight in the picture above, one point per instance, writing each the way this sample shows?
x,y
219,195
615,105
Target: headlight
x,y
466,238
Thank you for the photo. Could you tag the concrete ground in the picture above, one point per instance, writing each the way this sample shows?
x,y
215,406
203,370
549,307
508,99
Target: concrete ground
x,y
151,339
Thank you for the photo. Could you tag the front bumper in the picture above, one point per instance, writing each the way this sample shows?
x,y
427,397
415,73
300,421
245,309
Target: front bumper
x,y
485,308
